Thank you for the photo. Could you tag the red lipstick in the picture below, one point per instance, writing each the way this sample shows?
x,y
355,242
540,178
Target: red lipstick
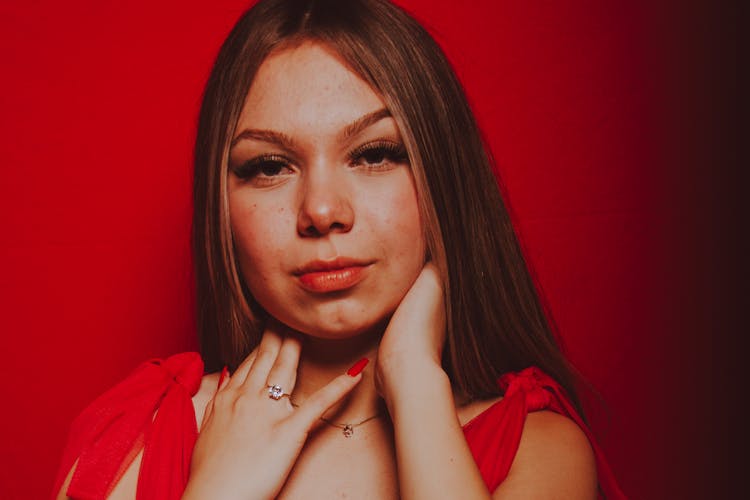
x,y
331,276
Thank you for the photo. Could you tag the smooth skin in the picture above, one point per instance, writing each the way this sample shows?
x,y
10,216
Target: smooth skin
x,y
312,198
240,427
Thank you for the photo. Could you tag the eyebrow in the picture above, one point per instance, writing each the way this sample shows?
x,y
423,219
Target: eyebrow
x,y
362,123
271,136
288,143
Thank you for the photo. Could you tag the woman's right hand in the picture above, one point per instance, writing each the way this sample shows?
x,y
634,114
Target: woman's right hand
x,y
248,441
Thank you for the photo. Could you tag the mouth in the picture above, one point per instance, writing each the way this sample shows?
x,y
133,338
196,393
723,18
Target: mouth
x,y
334,275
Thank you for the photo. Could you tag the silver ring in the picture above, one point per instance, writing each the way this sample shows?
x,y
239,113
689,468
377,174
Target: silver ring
x,y
275,392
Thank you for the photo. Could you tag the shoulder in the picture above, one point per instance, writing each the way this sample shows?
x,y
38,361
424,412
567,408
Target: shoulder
x,y
108,429
469,411
554,460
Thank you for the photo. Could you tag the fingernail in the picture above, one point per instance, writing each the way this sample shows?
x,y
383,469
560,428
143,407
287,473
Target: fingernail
x,y
224,373
357,367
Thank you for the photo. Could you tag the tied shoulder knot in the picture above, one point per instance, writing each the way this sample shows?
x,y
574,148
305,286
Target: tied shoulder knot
x,y
532,390
184,369
151,410
536,385
494,435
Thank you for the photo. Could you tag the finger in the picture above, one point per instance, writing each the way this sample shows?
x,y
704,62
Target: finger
x,y
316,405
223,381
207,412
268,350
239,375
284,370
223,378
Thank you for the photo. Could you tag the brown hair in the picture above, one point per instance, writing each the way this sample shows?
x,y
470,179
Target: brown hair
x,y
495,320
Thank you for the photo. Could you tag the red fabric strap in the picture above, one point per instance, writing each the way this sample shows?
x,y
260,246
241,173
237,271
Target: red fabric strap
x,y
105,436
495,434
152,408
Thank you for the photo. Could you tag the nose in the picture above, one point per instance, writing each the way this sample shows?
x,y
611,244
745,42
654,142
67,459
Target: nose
x,y
326,205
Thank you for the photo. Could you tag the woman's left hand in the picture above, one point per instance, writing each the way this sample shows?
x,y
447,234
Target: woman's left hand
x,y
412,344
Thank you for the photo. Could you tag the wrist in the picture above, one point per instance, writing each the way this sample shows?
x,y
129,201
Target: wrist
x,y
408,381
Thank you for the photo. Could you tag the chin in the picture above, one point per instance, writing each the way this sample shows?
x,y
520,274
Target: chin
x,y
341,330
339,325
340,319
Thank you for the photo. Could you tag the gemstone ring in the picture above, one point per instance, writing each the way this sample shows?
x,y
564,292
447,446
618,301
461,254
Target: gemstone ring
x,y
275,392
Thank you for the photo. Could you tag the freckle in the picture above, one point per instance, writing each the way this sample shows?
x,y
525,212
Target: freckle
x,y
281,210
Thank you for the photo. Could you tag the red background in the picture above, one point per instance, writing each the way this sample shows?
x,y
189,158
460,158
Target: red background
x,y
608,123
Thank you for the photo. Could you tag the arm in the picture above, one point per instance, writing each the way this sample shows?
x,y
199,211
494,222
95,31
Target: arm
x,y
554,459
434,460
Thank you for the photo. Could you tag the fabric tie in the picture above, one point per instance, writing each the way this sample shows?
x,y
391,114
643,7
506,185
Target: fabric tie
x,y
498,430
107,436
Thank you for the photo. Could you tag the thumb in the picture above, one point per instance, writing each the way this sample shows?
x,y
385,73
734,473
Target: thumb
x,y
325,397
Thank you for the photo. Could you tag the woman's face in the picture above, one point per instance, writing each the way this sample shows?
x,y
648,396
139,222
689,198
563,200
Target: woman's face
x,y
321,197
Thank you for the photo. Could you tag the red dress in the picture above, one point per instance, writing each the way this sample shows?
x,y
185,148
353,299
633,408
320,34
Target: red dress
x,y
106,436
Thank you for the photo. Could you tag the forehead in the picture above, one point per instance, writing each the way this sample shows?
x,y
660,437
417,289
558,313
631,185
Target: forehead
x,y
306,88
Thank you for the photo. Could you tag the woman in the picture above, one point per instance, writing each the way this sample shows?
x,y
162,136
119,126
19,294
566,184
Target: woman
x,y
346,216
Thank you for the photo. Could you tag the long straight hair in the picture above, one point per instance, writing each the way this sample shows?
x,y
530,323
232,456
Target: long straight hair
x,y
495,319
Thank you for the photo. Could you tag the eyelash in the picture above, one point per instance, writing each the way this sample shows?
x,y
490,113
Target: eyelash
x,y
253,168
386,152
391,152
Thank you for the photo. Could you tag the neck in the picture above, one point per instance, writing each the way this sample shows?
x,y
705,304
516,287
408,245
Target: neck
x,y
324,359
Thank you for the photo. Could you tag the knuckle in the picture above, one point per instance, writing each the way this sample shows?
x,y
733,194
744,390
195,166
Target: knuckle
x,y
283,363
333,391
343,382
265,355
221,400
313,408
249,358
243,403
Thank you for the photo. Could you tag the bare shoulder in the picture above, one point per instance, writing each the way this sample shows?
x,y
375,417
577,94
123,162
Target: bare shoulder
x,y
469,411
554,460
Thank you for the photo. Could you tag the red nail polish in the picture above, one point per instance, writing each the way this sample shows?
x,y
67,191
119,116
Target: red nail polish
x,y
357,367
224,373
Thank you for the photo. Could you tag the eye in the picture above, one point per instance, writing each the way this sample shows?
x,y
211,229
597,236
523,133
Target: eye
x,y
379,154
263,169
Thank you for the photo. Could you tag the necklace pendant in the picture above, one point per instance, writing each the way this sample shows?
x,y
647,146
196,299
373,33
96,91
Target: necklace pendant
x,y
348,430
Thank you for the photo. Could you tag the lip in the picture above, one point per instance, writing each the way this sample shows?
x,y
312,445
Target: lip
x,y
333,275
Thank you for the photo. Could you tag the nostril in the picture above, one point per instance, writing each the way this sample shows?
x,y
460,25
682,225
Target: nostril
x,y
320,215
311,231
315,231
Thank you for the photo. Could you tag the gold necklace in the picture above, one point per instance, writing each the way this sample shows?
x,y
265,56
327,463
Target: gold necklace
x,y
347,429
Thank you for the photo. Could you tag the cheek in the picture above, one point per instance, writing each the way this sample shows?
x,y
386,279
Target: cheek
x,y
400,226
259,231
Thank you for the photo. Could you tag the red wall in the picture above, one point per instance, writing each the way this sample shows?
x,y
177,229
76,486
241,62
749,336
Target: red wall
x,y
606,122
